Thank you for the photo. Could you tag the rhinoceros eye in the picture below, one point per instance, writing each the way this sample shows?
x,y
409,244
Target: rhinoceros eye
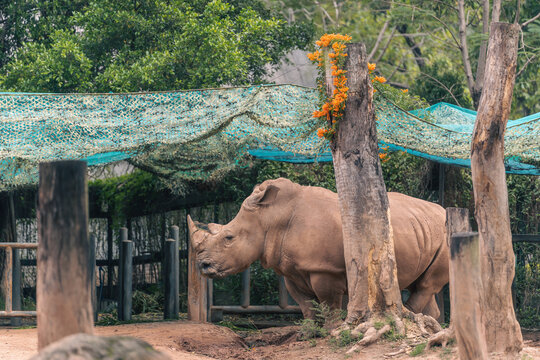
x,y
229,238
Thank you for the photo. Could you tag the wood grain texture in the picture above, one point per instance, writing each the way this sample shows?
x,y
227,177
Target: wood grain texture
x,y
64,303
490,191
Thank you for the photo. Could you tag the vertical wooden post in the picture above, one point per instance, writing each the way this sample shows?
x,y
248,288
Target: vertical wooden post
x,y
92,270
170,276
110,267
465,295
64,304
197,290
126,276
16,286
503,333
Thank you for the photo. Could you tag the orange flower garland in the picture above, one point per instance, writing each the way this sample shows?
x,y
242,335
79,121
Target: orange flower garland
x,y
332,107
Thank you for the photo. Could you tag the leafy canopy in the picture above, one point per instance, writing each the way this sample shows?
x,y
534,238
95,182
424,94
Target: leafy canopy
x,y
146,45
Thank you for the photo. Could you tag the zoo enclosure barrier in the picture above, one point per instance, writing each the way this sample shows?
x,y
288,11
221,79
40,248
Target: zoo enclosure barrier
x,y
201,300
170,261
12,279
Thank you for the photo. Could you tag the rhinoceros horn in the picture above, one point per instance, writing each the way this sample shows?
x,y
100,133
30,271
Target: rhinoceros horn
x,y
196,234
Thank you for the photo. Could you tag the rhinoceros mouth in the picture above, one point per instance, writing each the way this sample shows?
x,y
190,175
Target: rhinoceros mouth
x,y
211,271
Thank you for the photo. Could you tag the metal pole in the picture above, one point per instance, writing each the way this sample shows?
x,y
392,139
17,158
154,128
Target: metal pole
x,y
126,277
170,278
246,279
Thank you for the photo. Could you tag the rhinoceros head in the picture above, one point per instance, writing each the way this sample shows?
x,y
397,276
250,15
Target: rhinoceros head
x,y
222,250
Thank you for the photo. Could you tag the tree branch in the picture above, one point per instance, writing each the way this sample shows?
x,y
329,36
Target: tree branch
x,y
525,65
463,46
443,86
379,39
530,20
381,54
480,69
412,45
495,15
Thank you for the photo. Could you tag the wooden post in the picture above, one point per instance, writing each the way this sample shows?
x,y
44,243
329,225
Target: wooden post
x,y
92,270
170,276
126,277
64,303
503,333
197,290
16,286
110,267
465,295
16,272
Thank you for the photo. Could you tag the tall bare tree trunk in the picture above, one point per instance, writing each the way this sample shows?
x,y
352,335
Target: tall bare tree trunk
x,y
490,192
367,234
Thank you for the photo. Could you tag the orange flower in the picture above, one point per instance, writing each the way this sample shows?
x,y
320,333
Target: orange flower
x,y
380,79
321,132
314,56
404,91
371,66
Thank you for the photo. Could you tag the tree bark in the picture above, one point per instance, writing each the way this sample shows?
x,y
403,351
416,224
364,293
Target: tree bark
x,y
490,192
465,295
367,234
64,281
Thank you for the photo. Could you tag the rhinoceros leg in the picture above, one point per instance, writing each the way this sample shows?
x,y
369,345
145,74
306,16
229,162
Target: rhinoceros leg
x,y
304,300
329,289
432,309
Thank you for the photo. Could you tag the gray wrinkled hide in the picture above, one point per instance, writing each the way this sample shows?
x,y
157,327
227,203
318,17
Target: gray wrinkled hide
x,y
90,347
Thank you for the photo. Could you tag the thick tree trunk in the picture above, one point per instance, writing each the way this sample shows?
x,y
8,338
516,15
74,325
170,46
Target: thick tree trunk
x,y
64,281
367,234
490,191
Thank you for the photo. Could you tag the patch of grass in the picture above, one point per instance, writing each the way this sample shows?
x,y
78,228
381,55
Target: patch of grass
x,y
311,329
378,325
418,350
344,339
446,353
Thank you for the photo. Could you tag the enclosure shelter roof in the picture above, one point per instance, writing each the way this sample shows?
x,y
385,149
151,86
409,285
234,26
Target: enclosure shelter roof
x,y
194,133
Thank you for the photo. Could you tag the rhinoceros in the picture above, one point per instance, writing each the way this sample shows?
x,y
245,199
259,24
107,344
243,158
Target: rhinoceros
x,y
296,230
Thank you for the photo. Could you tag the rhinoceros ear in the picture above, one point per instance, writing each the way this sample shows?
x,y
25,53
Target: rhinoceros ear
x,y
196,234
260,198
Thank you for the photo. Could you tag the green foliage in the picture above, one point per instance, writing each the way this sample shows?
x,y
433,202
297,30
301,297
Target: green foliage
x,y
119,46
147,301
311,329
418,350
60,67
316,174
439,81
117,195
343,339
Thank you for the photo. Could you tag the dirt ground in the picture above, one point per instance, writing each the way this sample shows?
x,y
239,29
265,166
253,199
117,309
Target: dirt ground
x,y
183,340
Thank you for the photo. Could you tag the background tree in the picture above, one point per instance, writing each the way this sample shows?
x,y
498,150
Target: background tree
x,y
105,45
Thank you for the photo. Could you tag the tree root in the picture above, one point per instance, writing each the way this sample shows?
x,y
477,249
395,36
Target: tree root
x,y
370,336
441,338
426,324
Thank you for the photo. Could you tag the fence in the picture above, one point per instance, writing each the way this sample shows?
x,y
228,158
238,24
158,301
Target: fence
x,y
201,301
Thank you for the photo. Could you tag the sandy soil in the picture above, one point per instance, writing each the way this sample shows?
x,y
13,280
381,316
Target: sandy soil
x,y
183,340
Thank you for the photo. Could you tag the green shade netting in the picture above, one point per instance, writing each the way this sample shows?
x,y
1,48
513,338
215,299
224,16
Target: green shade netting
x,y
191,134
